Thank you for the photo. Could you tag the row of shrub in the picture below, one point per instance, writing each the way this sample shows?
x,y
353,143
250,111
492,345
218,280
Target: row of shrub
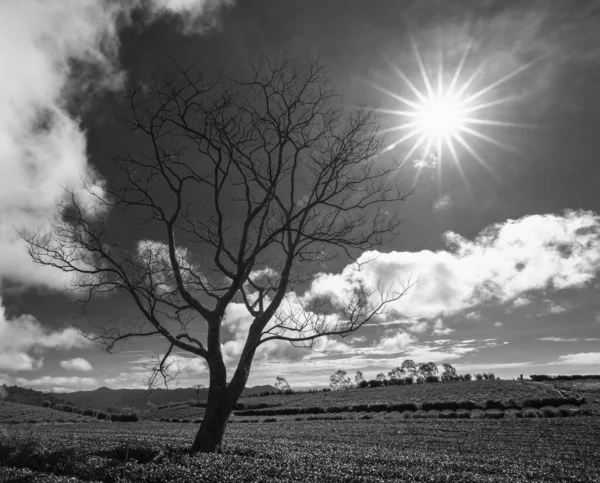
x,y
426,406
180,420
575,377
128,416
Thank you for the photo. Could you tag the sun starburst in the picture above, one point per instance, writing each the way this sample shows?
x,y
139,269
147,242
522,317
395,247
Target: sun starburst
x,y
443,117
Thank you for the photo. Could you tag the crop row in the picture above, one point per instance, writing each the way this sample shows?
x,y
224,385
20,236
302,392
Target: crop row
x,y
425,406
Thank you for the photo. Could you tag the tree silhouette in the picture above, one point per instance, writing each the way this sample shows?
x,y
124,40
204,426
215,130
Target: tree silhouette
x,y
250,185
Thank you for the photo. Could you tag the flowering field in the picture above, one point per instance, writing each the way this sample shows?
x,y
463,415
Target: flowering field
x,y
437,450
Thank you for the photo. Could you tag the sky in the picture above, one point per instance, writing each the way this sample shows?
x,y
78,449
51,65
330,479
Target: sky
x,y
501,234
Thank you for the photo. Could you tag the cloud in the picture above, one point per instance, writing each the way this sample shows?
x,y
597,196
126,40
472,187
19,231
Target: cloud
x,y
22,335
501,264
498,324
77,364
579,359
57,55
59,384
440,329
557,339
443,203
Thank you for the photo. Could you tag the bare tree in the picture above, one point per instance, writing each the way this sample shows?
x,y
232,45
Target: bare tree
x,y
250,184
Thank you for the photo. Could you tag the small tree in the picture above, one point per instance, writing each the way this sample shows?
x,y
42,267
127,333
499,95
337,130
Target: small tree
x,y
282,385
449,373
249,185
409,368
396,373
358,378
427,369
339,381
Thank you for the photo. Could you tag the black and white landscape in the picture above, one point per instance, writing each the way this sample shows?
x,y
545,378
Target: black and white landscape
x,y
368,230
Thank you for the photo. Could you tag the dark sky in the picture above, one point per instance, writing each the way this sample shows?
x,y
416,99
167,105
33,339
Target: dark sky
x,y
544,160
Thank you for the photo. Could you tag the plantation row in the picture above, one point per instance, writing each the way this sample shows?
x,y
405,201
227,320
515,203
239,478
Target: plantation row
x,y
432,451
129,416
425,406
575,377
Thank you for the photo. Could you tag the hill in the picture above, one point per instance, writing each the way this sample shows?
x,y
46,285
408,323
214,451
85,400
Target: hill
x,y
104,397
31,397
12,413
476,391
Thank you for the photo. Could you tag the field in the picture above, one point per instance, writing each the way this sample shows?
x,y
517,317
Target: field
x,y
11,413
477,391
537,450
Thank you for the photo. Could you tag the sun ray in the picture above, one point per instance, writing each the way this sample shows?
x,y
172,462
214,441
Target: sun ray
x,y
487,138
424,75
452,149
444,117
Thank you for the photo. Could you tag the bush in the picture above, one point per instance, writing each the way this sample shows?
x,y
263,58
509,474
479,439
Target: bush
x,y
463,414
101,415
375,383
494,413
402,407
468,405
270,420
420,380
407,414
377,407
408,380
467,377
439,405
68,409
549,412
363,384
493,404
448,414
432,379
479,377
420,414
46,404
88,412
535,403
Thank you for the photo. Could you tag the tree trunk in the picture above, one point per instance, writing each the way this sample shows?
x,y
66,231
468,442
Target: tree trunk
x,y
209,438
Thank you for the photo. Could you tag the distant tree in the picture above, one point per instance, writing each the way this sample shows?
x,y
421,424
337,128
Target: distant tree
x,y
449,373
427,369
198,390
248,186
339,381
282,385
381,377
396,373
358,378
409,368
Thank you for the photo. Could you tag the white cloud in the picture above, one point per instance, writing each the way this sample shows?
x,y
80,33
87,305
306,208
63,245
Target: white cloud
x,y
443,203
502,264
521,301
557,339
580,359
498,324
440,329
59,384
57,54
473,315
76,364
22,335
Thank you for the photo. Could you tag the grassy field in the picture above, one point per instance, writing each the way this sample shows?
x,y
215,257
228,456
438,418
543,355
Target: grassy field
x,y
13,413
477,391
539,450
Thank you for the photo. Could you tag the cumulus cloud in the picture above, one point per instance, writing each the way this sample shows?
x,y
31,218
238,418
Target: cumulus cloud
x,y
498,324
23,338
57,54
558,339
440,329
76,364
501,264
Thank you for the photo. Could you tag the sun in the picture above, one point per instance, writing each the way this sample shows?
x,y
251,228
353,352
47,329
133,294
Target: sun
x,y
443,116
439,117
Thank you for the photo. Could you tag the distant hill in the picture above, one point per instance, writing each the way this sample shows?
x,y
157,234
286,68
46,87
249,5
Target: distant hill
x,y
104,397
31,397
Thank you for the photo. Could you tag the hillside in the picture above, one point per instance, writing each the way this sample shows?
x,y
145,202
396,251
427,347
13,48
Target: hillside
x,y
12,413
477,391
32,397
104,397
